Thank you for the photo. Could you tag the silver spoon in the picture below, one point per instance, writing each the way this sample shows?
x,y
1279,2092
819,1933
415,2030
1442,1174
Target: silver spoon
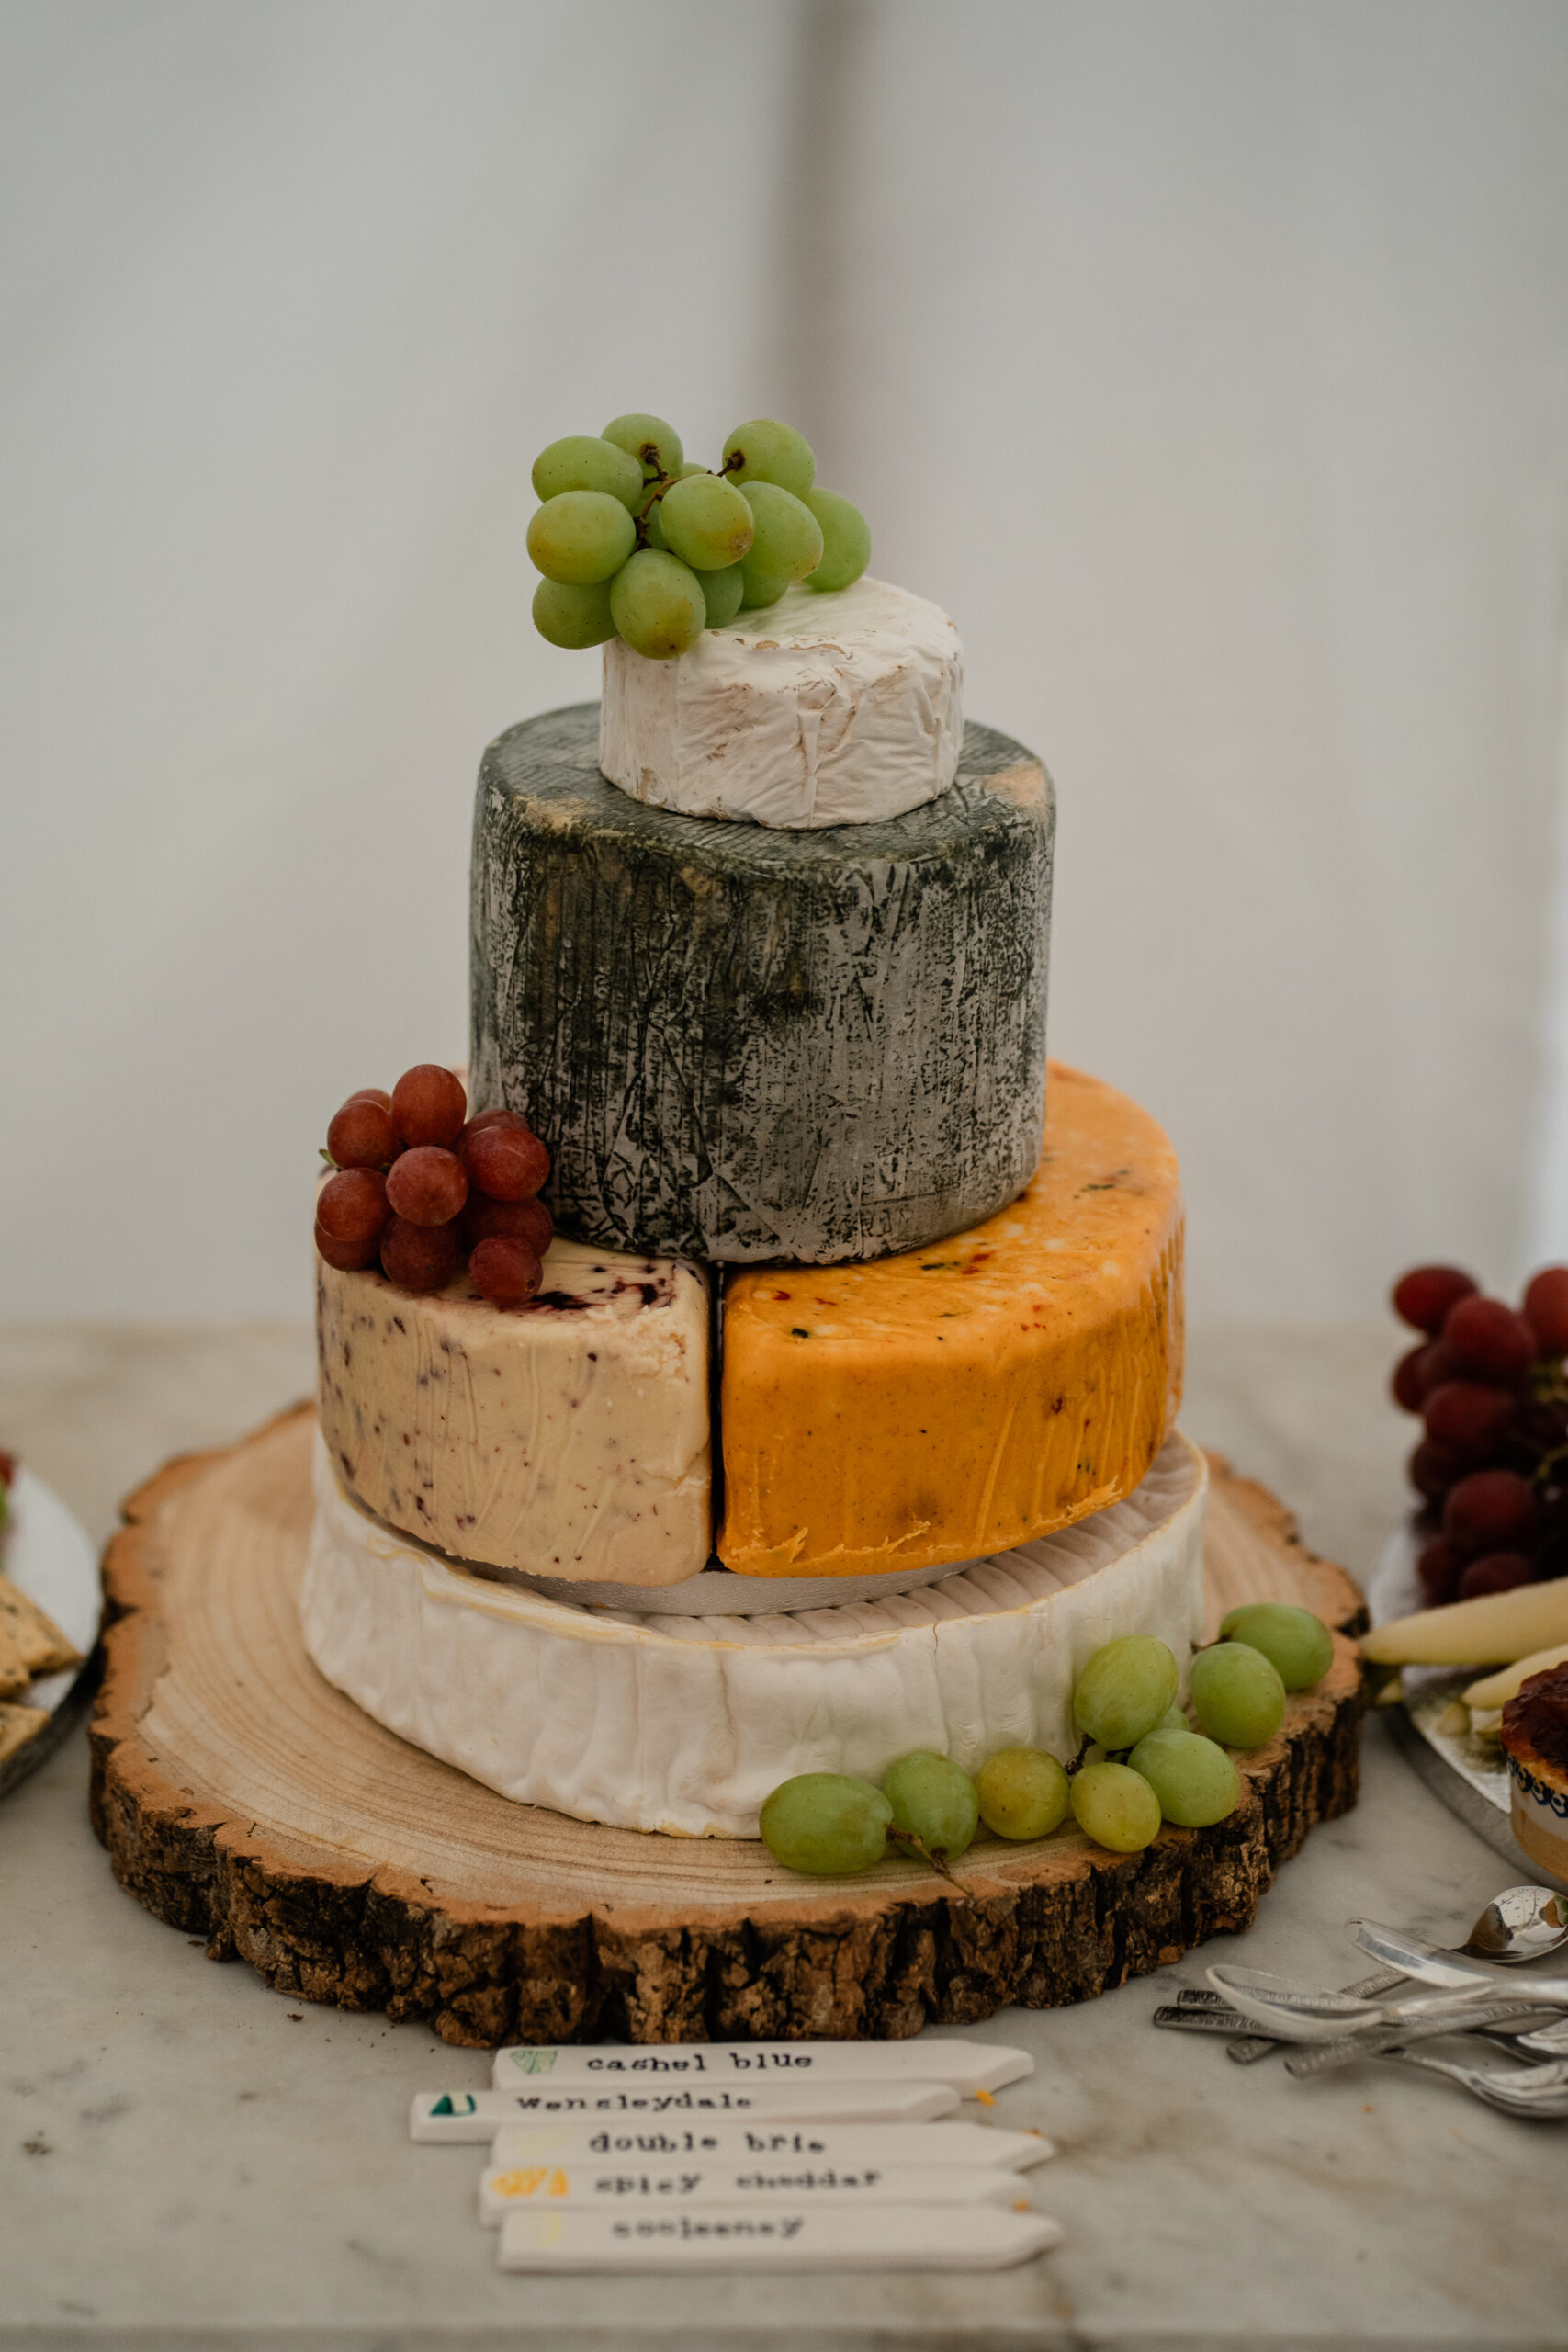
x,y
1429,1965
1300,2013
1532,2092
1522,1923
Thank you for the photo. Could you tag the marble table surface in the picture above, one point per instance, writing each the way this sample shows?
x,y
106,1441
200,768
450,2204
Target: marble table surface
x,y
187,2160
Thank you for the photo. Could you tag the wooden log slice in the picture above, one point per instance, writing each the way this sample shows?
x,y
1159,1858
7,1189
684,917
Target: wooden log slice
x,y
243,1798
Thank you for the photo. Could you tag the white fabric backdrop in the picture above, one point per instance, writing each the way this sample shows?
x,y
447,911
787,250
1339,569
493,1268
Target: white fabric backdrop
x,y
1209,363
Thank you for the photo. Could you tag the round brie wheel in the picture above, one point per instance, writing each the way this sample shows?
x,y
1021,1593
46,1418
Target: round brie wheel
x,y
835,709
686,1724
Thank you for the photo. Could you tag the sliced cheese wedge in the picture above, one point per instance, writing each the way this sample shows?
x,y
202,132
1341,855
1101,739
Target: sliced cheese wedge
x,y
1496,1630
1494,1691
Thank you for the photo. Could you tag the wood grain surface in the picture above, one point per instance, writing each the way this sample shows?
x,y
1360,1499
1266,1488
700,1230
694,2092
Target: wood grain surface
x,y
243,1798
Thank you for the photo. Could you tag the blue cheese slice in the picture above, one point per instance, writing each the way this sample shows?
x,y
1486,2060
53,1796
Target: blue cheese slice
x,y
569,1438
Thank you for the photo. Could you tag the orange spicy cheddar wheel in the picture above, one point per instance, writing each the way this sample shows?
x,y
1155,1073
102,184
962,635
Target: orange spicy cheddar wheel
x,y
961,1399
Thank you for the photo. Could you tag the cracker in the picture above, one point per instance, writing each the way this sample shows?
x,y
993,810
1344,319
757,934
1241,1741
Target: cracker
x,y
15,1672
18,1725
34,1635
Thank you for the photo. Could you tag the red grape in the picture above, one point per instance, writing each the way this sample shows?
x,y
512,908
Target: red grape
x,y
1489,1338
526,1221
1490,1510
1409,1383
1494,1572
1542,1423
505,1160
1546,1309
507,1272
1464,1416
420,1257
427,1186
429,1105
361,1133
372,1095
1433,1469
348,1257
352,1205
1439,1568
1424,1296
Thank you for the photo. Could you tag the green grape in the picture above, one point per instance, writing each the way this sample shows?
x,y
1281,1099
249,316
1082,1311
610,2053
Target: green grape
x,y
1023,1792
583,462
1237,1695
788,541
1124,1690
573,616
653,525
707,522
1296,1643
582,536
826,1824
658,603
1173,1719
932,1799
655,444
846,539
685,471
722,592
757,589
765,451
1195,1781
1115,1806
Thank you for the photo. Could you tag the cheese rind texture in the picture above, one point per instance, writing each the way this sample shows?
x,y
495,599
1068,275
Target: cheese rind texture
x,y
570,1438
743,1044
687,1724
974,1395
833,709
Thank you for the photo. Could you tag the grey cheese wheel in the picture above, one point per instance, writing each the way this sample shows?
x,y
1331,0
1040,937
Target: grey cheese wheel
x,y
743,1044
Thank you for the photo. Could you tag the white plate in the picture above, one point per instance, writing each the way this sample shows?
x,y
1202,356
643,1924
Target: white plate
x,y
48,1556
1471,1775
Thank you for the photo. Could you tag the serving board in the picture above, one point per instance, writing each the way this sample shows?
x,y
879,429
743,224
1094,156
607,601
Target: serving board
x,y
242,1798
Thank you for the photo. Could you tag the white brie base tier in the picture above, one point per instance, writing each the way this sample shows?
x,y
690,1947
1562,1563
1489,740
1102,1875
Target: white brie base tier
x,y
686,1724
834,710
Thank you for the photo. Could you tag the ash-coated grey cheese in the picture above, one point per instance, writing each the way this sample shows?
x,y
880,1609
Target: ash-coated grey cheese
x,y
744,1044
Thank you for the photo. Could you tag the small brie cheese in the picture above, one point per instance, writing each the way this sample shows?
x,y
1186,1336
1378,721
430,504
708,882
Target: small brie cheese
x,y
687,1724
833,709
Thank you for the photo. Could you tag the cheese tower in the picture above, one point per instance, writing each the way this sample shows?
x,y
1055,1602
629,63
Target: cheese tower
x,y
848,1296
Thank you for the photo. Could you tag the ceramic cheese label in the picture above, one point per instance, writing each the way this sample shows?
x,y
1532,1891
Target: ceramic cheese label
x,y
783,2237
964,2146
478,2115
967,2067
511,2187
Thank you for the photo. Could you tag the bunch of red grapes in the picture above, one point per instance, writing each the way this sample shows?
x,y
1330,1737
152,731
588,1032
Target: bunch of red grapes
x,y
1492,1466
421,1189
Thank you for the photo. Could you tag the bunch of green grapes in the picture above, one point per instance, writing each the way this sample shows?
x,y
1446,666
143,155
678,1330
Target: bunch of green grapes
x,y
635,542
1140,1761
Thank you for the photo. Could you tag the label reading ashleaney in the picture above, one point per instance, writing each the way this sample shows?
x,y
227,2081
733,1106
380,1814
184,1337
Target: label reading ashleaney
x,y
967,2066
782,2237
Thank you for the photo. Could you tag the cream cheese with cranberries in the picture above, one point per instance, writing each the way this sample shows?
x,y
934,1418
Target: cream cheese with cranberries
x,y
568,1438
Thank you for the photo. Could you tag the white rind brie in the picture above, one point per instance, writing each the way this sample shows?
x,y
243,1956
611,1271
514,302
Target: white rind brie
x,y
834,710
686,1724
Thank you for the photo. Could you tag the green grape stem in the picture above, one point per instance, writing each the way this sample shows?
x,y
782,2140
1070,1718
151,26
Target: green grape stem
x,y
935,1855
1077,1764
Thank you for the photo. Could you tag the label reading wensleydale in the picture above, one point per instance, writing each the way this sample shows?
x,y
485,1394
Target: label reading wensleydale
x,y
967,2067
478,2115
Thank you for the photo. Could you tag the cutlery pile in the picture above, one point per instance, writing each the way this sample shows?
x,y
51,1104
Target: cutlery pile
x,y
1421,1994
